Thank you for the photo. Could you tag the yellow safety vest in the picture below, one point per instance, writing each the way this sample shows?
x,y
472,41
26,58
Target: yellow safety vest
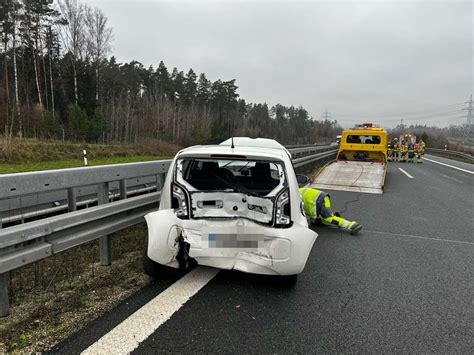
x,y
310,197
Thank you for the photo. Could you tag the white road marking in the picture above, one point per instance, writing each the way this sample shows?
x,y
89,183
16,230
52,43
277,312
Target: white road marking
x,y
419,237
451,166
403,171
126,336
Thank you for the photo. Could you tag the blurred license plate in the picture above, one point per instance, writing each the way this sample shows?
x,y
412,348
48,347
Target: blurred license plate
x,y
235,240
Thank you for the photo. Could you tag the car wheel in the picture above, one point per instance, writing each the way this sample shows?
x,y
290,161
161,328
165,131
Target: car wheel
x,y
288,281
155,270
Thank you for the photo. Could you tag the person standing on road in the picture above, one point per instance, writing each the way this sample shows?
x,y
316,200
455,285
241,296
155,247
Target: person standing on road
x,y
411,152
421,151
396,149
403,151
317,206
389,151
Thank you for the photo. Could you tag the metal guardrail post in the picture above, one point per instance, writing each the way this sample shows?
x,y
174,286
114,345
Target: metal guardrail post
x,y
123,189
160,180
105,242
4,301
72,199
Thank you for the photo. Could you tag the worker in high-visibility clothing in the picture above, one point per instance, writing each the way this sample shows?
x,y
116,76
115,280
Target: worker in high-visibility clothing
x,y
410,152
317,206
396,149
389,151
420,151
403,151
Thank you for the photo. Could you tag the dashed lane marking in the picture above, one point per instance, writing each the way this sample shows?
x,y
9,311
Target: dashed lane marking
x,y
403,171
419,237
450,166
126,337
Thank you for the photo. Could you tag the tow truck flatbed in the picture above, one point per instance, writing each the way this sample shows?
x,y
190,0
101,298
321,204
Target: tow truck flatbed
x,y
361,176
361,162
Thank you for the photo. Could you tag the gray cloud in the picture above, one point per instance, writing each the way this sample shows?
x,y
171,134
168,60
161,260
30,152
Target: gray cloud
x,y
377,60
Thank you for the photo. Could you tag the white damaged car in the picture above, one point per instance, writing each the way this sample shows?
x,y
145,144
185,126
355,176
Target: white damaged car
x,y
234,205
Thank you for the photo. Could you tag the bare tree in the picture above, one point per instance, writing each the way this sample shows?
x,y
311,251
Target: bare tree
x,y
4,26
15,78
72,34
49,41
99,39
10,16
31,23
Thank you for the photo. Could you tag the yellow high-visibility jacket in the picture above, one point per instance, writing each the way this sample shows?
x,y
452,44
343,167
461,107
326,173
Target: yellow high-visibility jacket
x,y
316,203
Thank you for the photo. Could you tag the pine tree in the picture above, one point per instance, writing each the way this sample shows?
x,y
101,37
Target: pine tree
x,y
189,87
203,93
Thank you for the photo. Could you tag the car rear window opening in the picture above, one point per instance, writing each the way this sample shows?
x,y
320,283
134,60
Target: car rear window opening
x,y
236,175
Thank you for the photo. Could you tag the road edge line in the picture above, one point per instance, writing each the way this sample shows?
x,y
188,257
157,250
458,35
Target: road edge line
x,y
450,166
128,335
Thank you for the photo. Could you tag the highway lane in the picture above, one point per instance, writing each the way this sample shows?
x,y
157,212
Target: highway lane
x,y
455,163
404,284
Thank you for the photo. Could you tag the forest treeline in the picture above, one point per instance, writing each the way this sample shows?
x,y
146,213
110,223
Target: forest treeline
x,y
60,81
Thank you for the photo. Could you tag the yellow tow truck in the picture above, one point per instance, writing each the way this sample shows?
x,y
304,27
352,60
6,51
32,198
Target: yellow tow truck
x,y
361,163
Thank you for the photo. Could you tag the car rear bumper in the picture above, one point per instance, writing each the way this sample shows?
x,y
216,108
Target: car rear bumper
x,y
281,251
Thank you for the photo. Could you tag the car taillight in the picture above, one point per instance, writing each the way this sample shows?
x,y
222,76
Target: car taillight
x,y
282,215
179,201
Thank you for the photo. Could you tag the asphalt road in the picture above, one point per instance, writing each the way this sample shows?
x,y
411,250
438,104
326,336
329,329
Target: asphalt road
x,y
405,284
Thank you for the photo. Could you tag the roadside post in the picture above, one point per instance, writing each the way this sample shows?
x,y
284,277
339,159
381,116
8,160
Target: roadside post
x,y
4,301
105,242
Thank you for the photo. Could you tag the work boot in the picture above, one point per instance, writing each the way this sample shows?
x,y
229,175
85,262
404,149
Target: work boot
x,y
355,228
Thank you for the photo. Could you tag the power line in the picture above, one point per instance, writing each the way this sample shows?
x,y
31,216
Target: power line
x,y
434,109
467,131
444,115
326,114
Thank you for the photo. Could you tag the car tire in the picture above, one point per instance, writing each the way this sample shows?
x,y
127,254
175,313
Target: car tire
x,y
288,281
156,270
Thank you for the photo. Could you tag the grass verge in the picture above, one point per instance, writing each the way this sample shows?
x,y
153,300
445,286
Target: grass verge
x,y
57,296
62,164
17,155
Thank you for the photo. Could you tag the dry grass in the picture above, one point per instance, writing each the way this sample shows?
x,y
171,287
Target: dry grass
x,y
57,296
454,145
34,150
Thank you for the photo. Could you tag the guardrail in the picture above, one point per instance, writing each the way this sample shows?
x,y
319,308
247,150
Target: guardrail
x,y
451,154
97,200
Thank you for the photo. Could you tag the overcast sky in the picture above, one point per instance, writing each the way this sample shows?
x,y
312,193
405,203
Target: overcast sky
x,y
375,61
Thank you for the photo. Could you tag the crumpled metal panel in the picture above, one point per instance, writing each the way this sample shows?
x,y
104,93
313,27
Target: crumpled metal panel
x,y
284,250
230,204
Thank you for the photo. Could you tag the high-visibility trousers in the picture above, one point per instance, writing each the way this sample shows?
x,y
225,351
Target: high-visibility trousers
x,y
333,219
